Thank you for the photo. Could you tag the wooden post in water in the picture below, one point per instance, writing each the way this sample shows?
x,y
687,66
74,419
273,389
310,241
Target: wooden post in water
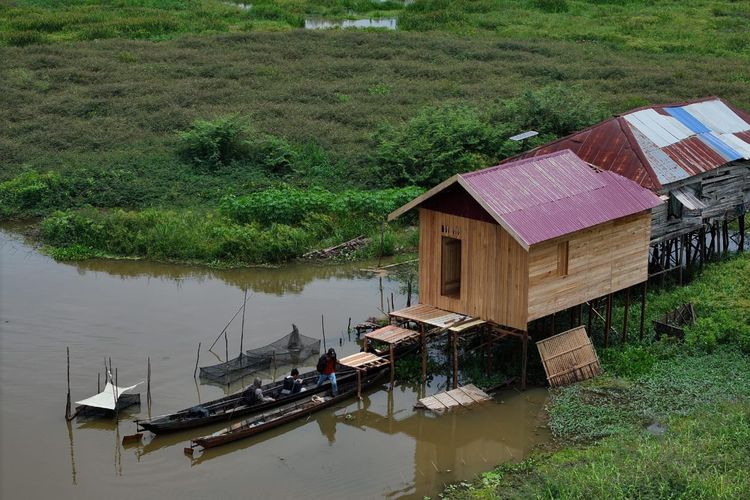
x,y
393,365
380,280
226,346
148,381
197,358
423,340
359,383
643,307
408,292
455,360
393,304
242,330
323,328
67,403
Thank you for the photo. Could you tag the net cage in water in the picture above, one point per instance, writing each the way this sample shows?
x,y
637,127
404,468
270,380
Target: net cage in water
x,y
289,349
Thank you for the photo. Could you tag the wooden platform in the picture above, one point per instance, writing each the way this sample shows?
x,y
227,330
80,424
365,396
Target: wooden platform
x,y
392,334
569,357
363,361
423,313
465,396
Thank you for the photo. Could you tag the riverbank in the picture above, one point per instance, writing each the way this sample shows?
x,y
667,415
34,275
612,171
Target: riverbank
x,y
667,419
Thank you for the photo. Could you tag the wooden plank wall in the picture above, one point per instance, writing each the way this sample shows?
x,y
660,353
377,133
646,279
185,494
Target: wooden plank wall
x,y
494,269
601,260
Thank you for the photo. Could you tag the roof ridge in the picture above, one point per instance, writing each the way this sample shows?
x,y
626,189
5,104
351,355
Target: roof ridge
x,y
520,162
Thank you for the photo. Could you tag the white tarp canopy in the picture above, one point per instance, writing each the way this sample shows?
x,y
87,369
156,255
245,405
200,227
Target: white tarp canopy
x,y
107,399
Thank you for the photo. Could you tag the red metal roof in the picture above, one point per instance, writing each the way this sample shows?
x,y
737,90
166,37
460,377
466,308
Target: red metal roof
x,y
541,198
658,145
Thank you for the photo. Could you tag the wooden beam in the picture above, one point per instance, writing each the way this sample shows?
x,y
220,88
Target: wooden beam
x,y
423,341
625,318
608,320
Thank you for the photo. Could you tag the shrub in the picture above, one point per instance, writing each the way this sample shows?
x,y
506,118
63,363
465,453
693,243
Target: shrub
x,y
436,144
31,192
555,109
213,144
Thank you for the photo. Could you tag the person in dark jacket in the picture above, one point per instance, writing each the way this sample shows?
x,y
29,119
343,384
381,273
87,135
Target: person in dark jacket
x,y
327,368
292,383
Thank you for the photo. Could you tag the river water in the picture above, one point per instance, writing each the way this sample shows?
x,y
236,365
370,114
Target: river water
x,y
131,310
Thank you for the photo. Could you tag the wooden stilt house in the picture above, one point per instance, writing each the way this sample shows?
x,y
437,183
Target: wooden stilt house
x,y
525,239
695,155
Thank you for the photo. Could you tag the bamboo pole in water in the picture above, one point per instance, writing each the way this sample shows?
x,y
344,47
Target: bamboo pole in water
x,y
67,404
197,359
323,328
242,330
226,346
148,383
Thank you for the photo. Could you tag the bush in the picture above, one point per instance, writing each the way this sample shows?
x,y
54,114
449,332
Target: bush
x,y
555,109
436,144
31,192
290,205
213,144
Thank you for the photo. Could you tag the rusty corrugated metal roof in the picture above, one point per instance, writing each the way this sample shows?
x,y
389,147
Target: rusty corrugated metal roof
x,y
541,198
657,145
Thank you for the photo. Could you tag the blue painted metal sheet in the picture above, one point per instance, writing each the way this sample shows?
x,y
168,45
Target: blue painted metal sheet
x,y
720,146
688,120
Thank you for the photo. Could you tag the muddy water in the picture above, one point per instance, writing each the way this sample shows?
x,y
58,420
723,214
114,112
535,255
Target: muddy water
x,y
130,310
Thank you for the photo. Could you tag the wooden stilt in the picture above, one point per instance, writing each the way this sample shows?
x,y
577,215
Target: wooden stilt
x,y
525,360
702,244
643,307
625,317
725,228
590,318
455,360
741,222
393,365
408,293
323,329
608,320
423,340
359,384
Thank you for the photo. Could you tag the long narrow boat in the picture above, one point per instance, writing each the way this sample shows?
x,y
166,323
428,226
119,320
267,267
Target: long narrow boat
x,y
280,416
233,406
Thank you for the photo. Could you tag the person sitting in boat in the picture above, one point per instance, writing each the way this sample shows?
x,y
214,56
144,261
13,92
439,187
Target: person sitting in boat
x,y
292,383
254,394
327,369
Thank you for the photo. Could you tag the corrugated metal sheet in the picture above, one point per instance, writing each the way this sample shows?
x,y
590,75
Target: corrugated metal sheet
x,y
688,198
549,196
658,145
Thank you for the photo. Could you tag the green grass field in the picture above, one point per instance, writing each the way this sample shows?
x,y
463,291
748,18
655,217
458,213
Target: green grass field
x,y
101,91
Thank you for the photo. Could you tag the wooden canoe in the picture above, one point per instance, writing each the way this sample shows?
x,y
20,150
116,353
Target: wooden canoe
x,y
280,416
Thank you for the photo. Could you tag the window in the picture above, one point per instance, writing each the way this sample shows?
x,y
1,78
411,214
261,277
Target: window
x,y
562,258
674,208
450,272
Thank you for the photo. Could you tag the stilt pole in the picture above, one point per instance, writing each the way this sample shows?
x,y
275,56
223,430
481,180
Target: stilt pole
x,y
359,383
625,317
643,307
524,362
590,316
323,329
148,382
393,365
741,222
423,340
455,360
608,320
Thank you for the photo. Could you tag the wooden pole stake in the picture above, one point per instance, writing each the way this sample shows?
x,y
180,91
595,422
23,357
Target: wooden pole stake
x,y
148,381
393,366
197,358
455,360
67,404
625,318
525,359
323,328
226,346
242,330
643,307
424,352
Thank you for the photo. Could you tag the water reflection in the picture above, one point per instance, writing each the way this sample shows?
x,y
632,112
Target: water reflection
x,y
388,23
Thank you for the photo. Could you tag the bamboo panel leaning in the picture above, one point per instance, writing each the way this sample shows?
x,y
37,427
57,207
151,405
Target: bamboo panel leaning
x,y
569,357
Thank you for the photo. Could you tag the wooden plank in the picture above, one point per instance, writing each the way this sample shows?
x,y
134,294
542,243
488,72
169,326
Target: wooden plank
x,y
463,398
446,400
430,402
474,392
